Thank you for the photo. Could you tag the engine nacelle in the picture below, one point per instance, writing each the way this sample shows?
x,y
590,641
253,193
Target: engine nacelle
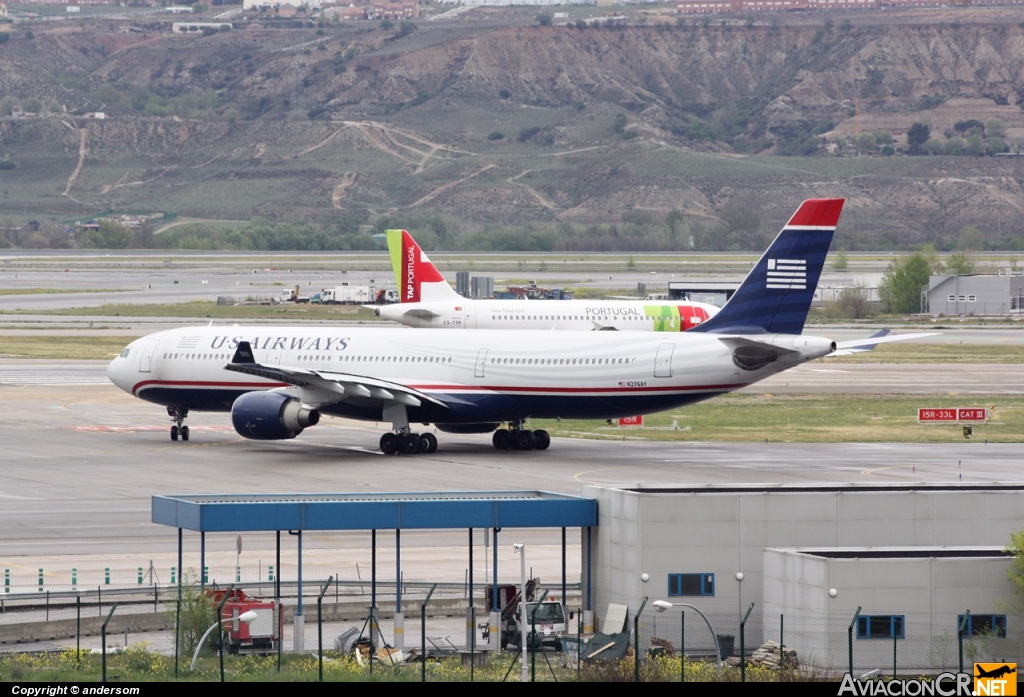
x,y
271,416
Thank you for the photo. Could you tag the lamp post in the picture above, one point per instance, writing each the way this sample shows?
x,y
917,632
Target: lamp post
x,y
246,617
662,605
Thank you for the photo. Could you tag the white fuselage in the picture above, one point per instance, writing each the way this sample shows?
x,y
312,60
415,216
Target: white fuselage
x,y
578,315
480,376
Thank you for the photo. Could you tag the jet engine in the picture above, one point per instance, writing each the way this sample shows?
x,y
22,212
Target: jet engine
x,y
271,416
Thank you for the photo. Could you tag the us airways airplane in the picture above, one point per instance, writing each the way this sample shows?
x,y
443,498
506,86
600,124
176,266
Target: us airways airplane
x,y
277,381
426,300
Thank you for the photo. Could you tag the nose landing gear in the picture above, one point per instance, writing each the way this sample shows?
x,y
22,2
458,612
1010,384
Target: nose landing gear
x,y
179,428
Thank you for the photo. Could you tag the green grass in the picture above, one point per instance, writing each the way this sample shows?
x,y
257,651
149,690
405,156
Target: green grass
x,y
811,419
937,353
206,309
63,347
138,664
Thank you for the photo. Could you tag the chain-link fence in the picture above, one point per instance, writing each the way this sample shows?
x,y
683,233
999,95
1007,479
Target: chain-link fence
x,y
828,644
443,636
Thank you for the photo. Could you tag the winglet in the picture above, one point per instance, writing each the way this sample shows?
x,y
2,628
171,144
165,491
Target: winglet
x,y
243,354
776,295
417,278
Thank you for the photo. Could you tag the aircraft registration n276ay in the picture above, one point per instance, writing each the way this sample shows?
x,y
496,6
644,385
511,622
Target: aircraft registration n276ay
x,y
277,381
426,300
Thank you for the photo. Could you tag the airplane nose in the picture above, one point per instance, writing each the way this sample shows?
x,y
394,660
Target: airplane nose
x,y
118,372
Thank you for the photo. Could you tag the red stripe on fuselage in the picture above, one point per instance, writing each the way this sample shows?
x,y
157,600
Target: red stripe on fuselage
x,y
203,383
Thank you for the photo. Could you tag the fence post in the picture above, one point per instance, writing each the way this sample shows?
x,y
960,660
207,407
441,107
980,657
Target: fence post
x,y
320,627
103,634
960,638
849,637
533,635
743,645
220,628
636,641
423,634
78,630
177,630
682,647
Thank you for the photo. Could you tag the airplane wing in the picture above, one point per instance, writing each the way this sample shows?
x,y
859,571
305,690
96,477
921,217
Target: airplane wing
x,y
848,348
317,388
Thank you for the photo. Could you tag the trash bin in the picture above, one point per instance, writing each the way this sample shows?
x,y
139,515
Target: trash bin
x,y
726,642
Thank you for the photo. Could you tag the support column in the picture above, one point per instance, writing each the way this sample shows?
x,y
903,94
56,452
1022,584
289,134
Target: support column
x,y
565,609
470,617
180,570
588,608
399,624
202,562
298,629
374,616
494,616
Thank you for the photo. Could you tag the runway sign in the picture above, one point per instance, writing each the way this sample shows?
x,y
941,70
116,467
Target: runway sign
x,y
972,415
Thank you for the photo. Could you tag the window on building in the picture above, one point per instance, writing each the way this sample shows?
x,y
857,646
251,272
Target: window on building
x,y
691,584
983,625
880,627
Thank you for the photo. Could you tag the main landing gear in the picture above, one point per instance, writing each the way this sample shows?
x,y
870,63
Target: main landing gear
x,y
179,428
515,437
406,442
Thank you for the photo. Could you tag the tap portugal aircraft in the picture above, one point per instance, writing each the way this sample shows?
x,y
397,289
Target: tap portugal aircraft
x,y
277,381
426,300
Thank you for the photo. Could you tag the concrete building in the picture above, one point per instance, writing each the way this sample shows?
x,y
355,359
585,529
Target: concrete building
x,y
913,596
975,294
708,546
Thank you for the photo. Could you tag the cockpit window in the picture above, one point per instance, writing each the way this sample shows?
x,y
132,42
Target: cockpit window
x,y
124,354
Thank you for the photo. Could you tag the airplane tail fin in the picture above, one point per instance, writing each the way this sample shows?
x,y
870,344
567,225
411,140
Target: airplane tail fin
x,y
776,295
417,278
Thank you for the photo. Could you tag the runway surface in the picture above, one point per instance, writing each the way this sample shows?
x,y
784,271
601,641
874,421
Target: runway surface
x,y
80,463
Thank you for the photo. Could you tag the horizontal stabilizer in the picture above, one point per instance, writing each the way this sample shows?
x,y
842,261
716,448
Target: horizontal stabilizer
x,y
848,348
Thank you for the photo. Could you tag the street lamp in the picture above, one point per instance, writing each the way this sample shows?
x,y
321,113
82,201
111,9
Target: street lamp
x,y
662,605
246,617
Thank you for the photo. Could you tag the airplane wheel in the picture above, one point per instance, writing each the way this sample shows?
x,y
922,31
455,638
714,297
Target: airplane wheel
x,y
174,433
411,443
389,443
524,440
428,443
541,440
502,439
183,431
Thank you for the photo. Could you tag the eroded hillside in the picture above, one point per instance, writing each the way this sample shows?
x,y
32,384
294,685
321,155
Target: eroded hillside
x,y
517,125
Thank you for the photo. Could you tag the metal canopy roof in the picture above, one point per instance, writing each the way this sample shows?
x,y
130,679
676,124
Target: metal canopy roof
x,y
385,511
